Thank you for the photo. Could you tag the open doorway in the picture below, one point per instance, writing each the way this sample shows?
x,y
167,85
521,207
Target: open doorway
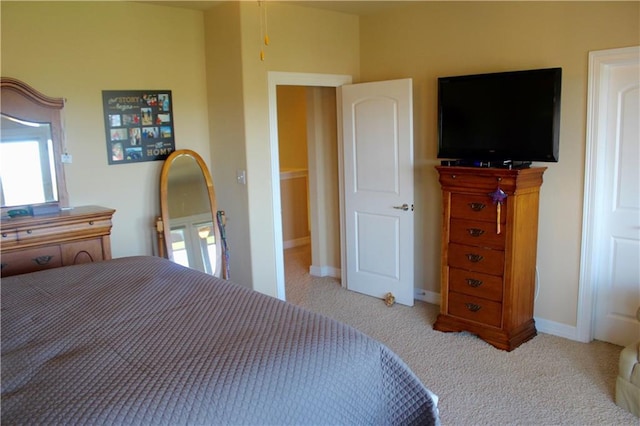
x,y
322,172
294,188
309,184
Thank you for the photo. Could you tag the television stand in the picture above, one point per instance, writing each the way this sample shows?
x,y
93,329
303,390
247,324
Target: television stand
x,y
497,164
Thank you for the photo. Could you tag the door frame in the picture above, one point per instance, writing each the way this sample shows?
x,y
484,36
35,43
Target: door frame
x,y
590,256
274,79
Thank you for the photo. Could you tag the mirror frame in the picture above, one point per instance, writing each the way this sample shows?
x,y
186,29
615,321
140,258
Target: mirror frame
x,y
22,101
164,228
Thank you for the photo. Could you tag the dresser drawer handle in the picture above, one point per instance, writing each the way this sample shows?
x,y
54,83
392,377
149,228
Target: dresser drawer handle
x,y
42,260
29,231
474,283
473,307
475,258
90,222
4,235
475,232
476,207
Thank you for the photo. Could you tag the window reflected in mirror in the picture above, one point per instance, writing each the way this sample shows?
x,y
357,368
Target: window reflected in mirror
x,y
27,167
193,243
31,145
189,228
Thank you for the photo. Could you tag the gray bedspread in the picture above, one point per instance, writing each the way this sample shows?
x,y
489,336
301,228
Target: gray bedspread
x,y
141,340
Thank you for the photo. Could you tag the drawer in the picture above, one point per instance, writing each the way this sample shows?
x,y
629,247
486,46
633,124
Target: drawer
x,y
475,284
8,237
478,179
476,233
475,309
35,259
476,207
82,252
46,232
477,259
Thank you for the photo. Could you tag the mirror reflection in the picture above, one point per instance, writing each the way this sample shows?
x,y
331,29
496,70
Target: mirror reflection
x,y
27,168
31,146
188,207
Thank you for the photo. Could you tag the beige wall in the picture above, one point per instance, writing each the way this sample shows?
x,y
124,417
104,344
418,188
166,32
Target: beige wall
x,y
324,191
295,203
300,42
77,49
225,97
430,39
292,127
292,153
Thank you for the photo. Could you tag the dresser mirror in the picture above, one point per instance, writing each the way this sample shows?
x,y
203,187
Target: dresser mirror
x,y
188,231
31,171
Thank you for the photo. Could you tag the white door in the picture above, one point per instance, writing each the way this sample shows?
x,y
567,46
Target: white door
x,y
377,132
618,233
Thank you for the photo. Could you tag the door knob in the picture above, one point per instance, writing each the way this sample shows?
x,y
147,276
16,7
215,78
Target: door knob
x,y
403,207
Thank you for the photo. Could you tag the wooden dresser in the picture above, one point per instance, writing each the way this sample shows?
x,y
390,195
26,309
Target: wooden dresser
x,y
33,243
488,270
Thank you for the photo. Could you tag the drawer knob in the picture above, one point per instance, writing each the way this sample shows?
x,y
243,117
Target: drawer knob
x,y
473,307
476,207
475,258
29,231
42,260
90,222
4,235
475,232
474,283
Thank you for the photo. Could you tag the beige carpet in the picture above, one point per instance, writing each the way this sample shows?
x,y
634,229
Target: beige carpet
x,y
546,381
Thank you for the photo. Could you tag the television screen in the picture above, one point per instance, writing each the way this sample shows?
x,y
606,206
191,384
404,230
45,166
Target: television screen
x,y
500,116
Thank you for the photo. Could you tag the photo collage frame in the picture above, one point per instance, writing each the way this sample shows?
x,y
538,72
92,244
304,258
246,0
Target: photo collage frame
x,y
138,124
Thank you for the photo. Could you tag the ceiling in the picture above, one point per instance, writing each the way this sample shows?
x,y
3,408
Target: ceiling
x,y
355,7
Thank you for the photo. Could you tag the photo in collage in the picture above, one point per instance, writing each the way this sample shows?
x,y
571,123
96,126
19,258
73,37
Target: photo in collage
x,y
139,125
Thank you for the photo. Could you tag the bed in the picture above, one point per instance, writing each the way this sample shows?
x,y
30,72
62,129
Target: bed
x,y
141,340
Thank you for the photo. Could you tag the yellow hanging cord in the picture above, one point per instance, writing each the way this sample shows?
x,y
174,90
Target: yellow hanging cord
x,y
266,26
264,37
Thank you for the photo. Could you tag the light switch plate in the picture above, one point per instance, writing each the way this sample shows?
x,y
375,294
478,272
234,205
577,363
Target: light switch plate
x,y
241,177
67,158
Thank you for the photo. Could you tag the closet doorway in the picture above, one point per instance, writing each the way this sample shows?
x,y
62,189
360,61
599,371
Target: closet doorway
x,y
294,188
310,98
308,167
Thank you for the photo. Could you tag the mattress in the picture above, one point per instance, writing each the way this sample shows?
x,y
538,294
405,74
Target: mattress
x,y
142,340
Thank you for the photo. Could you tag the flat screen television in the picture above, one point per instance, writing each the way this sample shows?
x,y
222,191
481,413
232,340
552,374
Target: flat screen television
x,y
499,118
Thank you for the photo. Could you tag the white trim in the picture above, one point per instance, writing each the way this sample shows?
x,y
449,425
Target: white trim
x,y
599,63
427,296
557,329
287,174
274,79
325,271
296,242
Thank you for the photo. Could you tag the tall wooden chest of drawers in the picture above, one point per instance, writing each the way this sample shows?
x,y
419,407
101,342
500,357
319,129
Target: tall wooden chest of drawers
x,y
34,243
488,265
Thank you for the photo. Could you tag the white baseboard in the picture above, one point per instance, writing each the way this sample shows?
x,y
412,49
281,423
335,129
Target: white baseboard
x,y
295,243
542,325
427,296
325,271
558,329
